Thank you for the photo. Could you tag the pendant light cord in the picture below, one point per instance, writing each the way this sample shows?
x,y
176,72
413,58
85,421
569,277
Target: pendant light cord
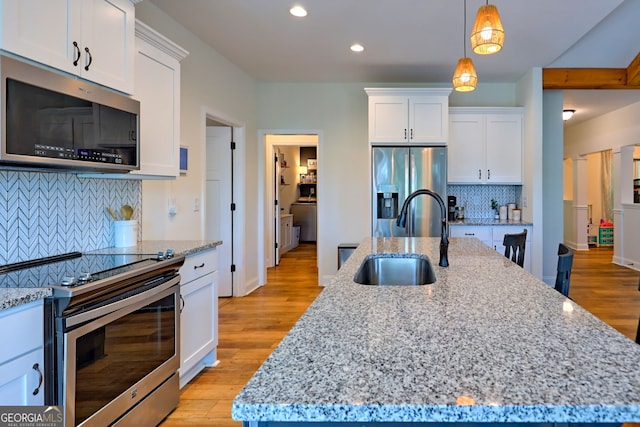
x,y
464,30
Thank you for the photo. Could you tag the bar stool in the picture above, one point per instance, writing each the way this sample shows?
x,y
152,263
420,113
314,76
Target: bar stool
x,y
563,275
514,247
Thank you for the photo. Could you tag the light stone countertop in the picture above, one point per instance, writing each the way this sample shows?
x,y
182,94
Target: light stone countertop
x,y
486,332
488,221
16,296
152,247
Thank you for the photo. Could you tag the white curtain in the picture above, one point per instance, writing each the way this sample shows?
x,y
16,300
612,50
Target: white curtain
x,y
606,189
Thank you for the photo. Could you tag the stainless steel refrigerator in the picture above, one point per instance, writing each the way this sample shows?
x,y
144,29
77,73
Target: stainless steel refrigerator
x,y
397,172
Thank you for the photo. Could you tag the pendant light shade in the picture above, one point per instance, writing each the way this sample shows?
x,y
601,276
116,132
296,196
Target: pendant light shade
x,y
487,35
465,77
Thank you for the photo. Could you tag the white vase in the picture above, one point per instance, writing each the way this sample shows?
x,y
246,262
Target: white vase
x,y
125,233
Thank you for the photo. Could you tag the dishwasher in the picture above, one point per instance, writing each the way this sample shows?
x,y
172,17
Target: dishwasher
x,y
304,215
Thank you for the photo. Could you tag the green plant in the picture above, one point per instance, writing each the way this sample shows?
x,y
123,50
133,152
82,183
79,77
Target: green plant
x,y
494,204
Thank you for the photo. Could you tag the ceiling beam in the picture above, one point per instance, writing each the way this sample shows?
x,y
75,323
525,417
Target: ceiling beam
x,y
593,78
633,71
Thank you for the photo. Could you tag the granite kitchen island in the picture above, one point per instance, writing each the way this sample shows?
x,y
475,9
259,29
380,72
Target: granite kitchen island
x,y
487,342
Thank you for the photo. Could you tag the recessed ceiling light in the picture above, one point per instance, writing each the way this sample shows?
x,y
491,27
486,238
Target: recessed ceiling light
x,y
567,114
298,11
357,47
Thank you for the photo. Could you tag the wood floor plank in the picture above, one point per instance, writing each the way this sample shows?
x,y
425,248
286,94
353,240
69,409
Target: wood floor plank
x,y
252,326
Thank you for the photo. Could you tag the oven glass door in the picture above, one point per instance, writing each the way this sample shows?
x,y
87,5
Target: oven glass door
x,y
116,357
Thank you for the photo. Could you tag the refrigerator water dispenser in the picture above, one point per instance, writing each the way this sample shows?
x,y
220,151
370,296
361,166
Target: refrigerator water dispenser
x,y
387,205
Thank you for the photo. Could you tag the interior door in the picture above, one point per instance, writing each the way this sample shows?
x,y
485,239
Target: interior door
x,y
218,224
276,205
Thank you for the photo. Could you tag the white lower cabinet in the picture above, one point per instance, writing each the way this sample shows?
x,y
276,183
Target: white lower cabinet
x,y
22,355
286,233
480,232
493,236
198,313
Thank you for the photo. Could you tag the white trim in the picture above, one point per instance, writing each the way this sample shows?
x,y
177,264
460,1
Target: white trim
x,y
242,285
265,195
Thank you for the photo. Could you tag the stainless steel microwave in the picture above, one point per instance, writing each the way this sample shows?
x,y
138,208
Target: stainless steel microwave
x,y
55,121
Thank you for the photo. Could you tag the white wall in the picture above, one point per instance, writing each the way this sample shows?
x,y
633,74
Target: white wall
x,y
615,129
289,192
529,95
340,112
618,130
552,204
208,82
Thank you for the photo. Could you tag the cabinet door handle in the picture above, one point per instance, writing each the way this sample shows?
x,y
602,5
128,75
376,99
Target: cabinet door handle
x,y
36,367
479,173
411,133
77,58
182,305
86,67
405,133
469,234
488,174
195,267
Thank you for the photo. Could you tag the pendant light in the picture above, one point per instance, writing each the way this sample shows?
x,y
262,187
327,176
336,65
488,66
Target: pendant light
x,y
487,35
465,77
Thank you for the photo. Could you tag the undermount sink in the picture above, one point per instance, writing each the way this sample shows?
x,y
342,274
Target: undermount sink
x,y
395,270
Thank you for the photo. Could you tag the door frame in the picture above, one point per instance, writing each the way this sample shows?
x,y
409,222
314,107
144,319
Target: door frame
x,y
236,247
266,237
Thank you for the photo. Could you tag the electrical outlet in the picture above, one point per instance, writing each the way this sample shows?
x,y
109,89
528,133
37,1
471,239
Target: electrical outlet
x,y
173,209
196,204
525,202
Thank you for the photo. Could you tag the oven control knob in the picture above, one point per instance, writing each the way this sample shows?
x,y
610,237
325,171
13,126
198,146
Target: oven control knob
x,y
160,255
84,277
169,253
68,281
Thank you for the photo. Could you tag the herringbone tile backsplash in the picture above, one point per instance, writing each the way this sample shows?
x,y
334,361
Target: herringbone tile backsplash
x,y
44,214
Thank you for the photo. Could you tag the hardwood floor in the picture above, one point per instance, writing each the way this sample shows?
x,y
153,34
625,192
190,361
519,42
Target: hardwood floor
x,y
252,326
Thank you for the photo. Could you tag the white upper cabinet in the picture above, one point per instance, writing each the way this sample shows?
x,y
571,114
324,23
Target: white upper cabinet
x,y
93,39
408,116
158,90
485,146
157,87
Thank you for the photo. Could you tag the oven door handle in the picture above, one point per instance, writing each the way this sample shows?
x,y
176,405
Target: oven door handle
x,y
115,306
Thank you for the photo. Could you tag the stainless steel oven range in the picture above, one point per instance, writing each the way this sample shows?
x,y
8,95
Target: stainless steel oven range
x,y
111,336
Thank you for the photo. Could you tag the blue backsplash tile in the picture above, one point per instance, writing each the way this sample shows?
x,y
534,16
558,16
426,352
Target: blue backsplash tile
x,y
476,199
44,214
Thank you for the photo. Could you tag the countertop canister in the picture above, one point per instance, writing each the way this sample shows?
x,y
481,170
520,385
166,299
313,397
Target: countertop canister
x,y
503,212
510,208
125,233
516,215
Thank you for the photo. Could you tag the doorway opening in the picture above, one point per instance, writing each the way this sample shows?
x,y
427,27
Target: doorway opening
x,y
291,192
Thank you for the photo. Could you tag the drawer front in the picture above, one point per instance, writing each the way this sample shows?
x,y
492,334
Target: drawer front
x,y
479,232
501,230
21,330
199,264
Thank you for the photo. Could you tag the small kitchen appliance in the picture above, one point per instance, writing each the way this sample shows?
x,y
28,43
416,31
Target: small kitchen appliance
x,y
451,202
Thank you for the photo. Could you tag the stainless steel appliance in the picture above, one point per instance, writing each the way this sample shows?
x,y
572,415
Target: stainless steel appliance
x,y
397,172
305,215
111,335
451,203
54,121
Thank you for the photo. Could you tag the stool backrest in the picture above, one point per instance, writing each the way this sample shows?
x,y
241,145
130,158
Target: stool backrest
x,y
563,276
514,246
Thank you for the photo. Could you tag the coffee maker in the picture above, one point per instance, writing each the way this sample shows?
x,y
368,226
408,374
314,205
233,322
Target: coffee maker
x,y
451,201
